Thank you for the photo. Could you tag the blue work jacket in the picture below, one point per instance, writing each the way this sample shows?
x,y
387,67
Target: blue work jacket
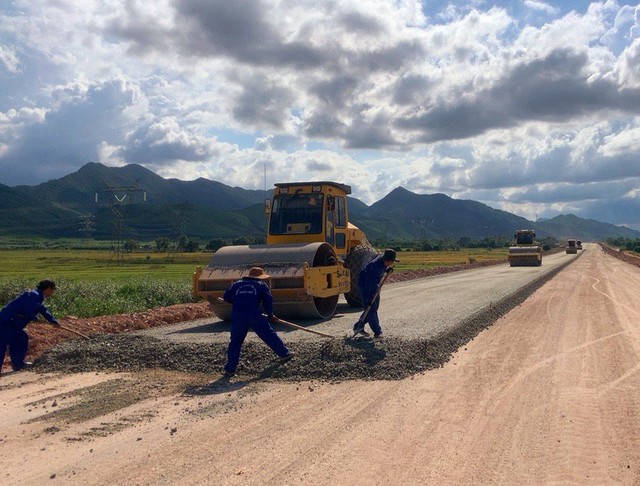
x,y
246,295
370,277
24,309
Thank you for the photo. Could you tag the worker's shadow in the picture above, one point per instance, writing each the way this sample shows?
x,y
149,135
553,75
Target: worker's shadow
x,y
367,347
221,385
226,384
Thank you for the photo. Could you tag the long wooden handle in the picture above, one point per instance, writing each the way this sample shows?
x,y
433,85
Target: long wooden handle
x,y
74,332
291,324
368,308
295,326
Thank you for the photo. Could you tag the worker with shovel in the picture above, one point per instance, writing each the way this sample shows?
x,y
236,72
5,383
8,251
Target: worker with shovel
x,y
370,281
246,296
15,316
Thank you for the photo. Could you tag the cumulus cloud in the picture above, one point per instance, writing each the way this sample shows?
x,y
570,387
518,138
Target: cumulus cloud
x,y
9,59
164,142
68,135
541,6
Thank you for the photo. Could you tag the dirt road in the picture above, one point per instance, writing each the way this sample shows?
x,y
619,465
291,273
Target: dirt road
x,y
549,394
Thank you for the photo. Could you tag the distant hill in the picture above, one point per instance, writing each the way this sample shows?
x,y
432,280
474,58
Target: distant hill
x,y
567,226
404,214
149,206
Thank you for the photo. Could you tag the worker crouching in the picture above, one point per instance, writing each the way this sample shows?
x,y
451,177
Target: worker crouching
x,y
249,296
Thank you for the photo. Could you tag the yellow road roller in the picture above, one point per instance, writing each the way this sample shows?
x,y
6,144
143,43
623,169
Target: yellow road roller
x,y
527,252
313,254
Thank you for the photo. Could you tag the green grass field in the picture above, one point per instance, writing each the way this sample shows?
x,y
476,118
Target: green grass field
x,y
96,265
95,282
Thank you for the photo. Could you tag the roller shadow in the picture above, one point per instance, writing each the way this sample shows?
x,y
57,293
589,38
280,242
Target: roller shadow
x,y
209,328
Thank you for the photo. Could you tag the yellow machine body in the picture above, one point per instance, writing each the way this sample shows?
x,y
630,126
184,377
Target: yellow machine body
x,y
527,252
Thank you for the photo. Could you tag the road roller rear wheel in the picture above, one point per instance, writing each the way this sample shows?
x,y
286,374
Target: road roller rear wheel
x,y
357,258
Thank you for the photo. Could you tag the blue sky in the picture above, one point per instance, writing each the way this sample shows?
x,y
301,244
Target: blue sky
x,y
528,106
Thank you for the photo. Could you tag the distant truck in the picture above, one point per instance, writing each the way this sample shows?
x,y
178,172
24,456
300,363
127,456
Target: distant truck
x,y
527,252
572,246
579,244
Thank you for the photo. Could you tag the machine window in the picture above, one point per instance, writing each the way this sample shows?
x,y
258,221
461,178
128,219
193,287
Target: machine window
x,y
341,212
296,214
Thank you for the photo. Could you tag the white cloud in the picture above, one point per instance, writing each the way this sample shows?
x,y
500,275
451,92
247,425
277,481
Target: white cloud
x,y
622,144
542,7
9,59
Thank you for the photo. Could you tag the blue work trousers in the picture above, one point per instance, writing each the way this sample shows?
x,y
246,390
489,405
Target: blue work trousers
x,y
263,329
18,342
372,316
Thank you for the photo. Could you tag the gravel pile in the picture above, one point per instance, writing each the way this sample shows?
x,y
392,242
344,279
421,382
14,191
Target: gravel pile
x,y
335,360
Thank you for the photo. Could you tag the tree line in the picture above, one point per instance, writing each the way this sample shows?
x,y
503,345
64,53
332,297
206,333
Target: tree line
x,y
184,244
630,244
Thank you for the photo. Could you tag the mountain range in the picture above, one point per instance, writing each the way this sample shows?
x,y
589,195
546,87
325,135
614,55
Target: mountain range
x,y
132,202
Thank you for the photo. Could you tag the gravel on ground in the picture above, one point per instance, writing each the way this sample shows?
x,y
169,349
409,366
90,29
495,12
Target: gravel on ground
x,y
389,358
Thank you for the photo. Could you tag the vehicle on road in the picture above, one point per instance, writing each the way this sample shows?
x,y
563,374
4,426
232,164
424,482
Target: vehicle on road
x,y
527,252
572,246
313,254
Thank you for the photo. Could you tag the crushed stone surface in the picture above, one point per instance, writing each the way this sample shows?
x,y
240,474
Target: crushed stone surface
x,y
389,358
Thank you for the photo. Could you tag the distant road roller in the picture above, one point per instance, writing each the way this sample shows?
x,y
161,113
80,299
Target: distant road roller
x,y
313,254
572,246
527,252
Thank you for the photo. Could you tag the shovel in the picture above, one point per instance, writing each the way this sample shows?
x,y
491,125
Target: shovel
x,y
68,329
74,332
360,324
290,324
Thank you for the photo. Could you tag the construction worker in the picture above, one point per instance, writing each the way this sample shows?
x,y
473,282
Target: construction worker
x,y
246,296
369,279
15,316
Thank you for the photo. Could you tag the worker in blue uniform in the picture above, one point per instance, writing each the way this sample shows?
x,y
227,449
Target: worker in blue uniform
x,y
247,295
369,279
15,316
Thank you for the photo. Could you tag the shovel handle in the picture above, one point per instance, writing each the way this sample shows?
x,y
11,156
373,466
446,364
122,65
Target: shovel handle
x,y
368,308
290,324
73,331
296,326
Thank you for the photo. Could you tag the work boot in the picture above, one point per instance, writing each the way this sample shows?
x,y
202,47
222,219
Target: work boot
x,y
378,335
229,374
286,358
358,329
22,366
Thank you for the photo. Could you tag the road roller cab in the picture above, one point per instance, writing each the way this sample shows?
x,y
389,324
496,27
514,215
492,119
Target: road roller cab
x,y
309,238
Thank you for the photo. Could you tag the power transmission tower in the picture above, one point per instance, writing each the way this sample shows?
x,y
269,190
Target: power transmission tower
x,y
118,197
178,216
87,225
421,224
